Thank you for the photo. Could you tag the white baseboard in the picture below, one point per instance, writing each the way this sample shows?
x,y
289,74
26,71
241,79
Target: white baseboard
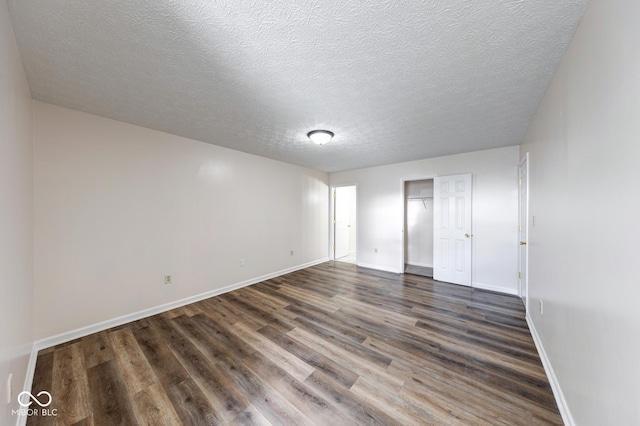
x,y
567,418
505,290
104,325
380,268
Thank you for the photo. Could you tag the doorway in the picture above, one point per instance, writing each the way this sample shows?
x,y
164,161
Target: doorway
x,y
345,224
418,223
523,228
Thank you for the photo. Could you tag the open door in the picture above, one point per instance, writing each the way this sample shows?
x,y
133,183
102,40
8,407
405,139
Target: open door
x,y
452,229
344,222
523,227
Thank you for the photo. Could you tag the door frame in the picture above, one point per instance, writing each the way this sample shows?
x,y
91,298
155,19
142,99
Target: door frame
x,y
404,215
332,218
523,281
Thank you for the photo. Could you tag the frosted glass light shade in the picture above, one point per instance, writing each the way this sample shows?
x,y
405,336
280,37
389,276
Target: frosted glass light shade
x,y
320,137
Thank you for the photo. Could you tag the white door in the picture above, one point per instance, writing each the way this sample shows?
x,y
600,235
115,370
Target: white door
x,y
523,225
452,229
342,226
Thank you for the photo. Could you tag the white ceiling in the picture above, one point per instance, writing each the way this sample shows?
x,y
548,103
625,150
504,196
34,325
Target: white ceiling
x,y
395,80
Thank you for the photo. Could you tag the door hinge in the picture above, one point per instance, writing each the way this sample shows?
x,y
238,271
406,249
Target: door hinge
x,y
520,182
519,228
334,248
519,274
334,221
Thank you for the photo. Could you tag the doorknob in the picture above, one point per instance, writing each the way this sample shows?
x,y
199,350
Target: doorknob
x,y
523,243
467,235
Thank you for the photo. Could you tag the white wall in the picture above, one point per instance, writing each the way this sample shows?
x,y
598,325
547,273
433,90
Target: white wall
x,y
495,211
585,150
117,206
16,218
419,223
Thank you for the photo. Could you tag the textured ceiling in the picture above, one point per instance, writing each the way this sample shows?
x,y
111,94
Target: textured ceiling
x,y
395,80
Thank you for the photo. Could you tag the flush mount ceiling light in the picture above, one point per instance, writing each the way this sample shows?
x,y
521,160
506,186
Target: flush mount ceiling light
x,y
320,137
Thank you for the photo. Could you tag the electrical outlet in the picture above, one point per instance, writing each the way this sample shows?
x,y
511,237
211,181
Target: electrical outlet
x,y
243,262
533,220
541,307
291,252
375,250
168,279
9,388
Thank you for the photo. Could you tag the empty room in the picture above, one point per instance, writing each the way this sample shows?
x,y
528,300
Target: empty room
x,y
319,212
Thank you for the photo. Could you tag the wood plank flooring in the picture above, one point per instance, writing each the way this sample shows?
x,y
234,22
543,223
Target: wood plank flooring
x,y
329,345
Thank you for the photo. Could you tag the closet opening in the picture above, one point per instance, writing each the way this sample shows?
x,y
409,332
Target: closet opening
x,y
418,225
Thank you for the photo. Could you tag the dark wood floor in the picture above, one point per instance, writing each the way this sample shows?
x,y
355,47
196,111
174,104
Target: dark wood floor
x,y
330,345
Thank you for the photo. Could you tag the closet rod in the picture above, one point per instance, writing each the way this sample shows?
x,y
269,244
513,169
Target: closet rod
x,y
420,199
